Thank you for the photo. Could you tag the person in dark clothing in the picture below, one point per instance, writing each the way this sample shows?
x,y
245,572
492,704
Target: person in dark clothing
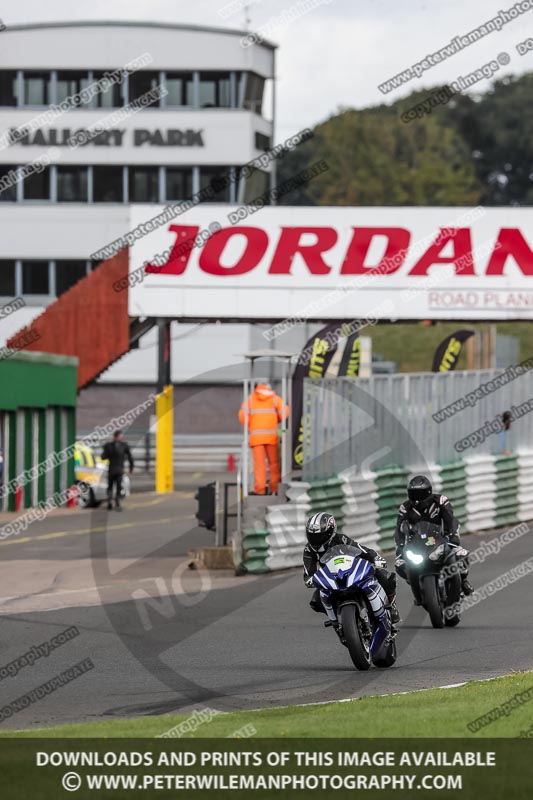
x,y
507,418
116,452
321,533
423,505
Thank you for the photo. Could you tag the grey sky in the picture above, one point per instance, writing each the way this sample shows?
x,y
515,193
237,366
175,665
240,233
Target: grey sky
x,y
336,54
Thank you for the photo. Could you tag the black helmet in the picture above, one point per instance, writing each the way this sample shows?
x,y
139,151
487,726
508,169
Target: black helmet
x,y
419,489
320,530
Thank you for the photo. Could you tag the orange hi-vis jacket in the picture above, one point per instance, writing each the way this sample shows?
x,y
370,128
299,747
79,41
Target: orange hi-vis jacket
x,y
265,411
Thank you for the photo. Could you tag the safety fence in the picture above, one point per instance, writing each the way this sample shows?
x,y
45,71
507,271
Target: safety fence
x,y
487,491
416,418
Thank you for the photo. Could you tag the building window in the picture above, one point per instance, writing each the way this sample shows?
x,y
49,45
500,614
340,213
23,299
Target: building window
x,y
108,185
180,89
71,83
9,193
142,82
8,87
37,186
179,183
7,278
218,179
68,273
35,278
215,90
144,184
72,184
262,141
36,88
253,95
110,97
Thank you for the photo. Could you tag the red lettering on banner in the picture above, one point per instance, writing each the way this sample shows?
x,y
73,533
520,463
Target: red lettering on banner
x,y
462,248
180,253
256,245
512,243
397,244
289,244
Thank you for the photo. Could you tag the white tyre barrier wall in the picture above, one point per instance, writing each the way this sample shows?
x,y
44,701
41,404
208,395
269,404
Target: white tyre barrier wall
x,y
481,492
286,526
361,517
492,484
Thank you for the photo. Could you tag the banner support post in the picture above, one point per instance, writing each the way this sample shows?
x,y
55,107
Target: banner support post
x,y
164,409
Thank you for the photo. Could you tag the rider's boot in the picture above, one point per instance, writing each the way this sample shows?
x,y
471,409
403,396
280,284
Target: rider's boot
x,y
394,613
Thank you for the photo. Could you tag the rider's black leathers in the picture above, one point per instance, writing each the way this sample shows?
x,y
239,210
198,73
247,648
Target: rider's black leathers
x,y
436,509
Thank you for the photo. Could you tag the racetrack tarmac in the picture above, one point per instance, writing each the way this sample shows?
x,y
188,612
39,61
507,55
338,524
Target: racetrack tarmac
x,y
163,639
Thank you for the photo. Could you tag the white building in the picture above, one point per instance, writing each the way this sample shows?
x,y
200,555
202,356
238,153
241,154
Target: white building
x,y
213,115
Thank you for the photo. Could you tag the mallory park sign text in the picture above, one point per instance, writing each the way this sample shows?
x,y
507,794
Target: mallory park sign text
x,y
114,137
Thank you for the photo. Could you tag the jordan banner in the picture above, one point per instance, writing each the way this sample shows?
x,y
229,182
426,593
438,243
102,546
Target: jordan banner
x,y
448,352
313,362
351,356
326,263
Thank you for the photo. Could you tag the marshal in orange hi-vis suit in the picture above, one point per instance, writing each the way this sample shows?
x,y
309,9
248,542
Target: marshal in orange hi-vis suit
x,y
265,412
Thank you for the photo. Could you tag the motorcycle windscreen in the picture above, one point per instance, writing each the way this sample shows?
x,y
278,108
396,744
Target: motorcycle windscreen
x,y
342,572
338,551
426,534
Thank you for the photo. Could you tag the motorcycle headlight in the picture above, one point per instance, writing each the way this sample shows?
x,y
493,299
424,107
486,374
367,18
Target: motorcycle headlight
x,y
437,553
416,558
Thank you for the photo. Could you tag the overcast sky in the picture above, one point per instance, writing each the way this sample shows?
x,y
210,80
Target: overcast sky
x,y
336,54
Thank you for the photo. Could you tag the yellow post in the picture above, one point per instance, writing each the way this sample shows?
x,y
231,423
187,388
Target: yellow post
x,y
164,465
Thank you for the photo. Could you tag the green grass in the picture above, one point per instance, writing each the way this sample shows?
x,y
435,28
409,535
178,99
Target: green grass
x,y
412,345
444,712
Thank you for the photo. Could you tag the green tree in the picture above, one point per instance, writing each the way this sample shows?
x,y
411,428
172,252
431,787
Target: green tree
x,y
376,159
497,130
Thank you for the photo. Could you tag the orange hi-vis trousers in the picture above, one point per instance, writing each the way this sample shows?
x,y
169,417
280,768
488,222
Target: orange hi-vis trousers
x,y
261,453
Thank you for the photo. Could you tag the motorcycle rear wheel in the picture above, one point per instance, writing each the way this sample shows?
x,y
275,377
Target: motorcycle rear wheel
x,y
351,625
432,601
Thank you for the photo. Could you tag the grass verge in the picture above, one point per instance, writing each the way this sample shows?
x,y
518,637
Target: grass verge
x,y
444,712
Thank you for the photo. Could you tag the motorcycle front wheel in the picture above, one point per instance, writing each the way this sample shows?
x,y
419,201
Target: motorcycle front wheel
x,y
355,640
432,601
453,591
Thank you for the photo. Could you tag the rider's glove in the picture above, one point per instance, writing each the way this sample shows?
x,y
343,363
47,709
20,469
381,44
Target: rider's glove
x,y
380,562
309,583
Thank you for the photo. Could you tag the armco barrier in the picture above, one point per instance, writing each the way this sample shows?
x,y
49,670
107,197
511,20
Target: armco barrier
x,y
486,491
190,452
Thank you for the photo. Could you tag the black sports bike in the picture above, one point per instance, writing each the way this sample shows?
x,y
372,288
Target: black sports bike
x,y
433,573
